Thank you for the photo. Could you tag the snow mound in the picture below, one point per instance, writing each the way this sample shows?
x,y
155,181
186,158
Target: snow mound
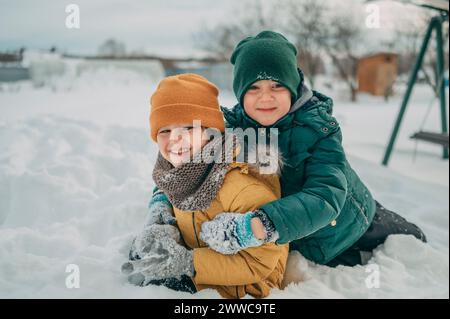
x,y
403,267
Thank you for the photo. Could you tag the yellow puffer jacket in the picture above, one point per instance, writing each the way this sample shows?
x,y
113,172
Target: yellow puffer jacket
x,y
251,271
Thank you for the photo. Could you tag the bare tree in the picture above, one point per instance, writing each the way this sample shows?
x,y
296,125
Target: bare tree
x,y
307,24
112,48
221,39
342,47
408,36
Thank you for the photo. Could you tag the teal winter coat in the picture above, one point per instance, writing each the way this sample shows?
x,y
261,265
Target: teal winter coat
x,y
325,207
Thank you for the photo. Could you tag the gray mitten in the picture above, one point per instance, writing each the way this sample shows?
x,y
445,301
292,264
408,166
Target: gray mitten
x,y
229,233
141,245
164,259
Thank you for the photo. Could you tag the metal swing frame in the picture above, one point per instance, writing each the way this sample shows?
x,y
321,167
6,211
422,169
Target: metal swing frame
x,y
434,25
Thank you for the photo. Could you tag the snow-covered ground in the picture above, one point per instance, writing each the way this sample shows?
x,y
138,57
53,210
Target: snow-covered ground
x,y
75,179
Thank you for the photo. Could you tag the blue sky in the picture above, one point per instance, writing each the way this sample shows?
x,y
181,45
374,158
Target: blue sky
x,y
154,25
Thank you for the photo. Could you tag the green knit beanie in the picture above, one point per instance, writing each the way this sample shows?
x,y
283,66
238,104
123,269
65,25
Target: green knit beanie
x,y
267,56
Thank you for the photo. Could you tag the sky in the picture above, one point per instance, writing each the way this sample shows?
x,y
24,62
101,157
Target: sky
x,y
153,25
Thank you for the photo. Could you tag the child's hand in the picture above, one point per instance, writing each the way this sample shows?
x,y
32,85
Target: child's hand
x,y
150,235
160,210
165,259
228,233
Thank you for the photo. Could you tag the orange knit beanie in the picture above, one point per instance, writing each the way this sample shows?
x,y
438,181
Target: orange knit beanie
x,y
184,98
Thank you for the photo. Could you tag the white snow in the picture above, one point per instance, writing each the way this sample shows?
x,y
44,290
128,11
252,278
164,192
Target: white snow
x,y
75,179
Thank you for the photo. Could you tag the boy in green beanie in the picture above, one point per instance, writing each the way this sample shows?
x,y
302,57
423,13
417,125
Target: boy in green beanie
x,y
326,212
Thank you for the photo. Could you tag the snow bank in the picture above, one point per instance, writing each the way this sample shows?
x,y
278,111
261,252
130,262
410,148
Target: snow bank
x,y
59,73
400,274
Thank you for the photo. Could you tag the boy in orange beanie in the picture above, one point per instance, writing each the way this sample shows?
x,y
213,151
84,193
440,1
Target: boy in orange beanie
x,y
200,186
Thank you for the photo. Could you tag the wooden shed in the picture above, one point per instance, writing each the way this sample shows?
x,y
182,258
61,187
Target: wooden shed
x,y
377,73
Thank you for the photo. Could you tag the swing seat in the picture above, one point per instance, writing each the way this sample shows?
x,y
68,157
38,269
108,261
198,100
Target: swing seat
x,y
436,138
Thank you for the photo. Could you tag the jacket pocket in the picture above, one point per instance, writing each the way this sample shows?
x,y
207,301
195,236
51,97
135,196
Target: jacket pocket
x,y
360,209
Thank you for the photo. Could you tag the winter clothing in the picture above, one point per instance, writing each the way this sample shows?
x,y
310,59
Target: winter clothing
x,y
385,223
174,102
271,232
254,270
184,284
165,258
325,211
141,245
195,184
160,210
229,233
160,213
325,207
267,56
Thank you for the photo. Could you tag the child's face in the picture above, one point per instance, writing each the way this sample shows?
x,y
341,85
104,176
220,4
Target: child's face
x,y
267,101
179,142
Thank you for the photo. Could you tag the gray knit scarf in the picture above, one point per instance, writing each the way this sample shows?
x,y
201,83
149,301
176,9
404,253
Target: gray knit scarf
x,y
194,185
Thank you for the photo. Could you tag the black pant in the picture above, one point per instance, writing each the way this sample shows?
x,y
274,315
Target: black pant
x,y
184,284
385,223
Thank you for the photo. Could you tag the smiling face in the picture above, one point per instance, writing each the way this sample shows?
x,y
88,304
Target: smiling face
x,y
267,101
179,142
